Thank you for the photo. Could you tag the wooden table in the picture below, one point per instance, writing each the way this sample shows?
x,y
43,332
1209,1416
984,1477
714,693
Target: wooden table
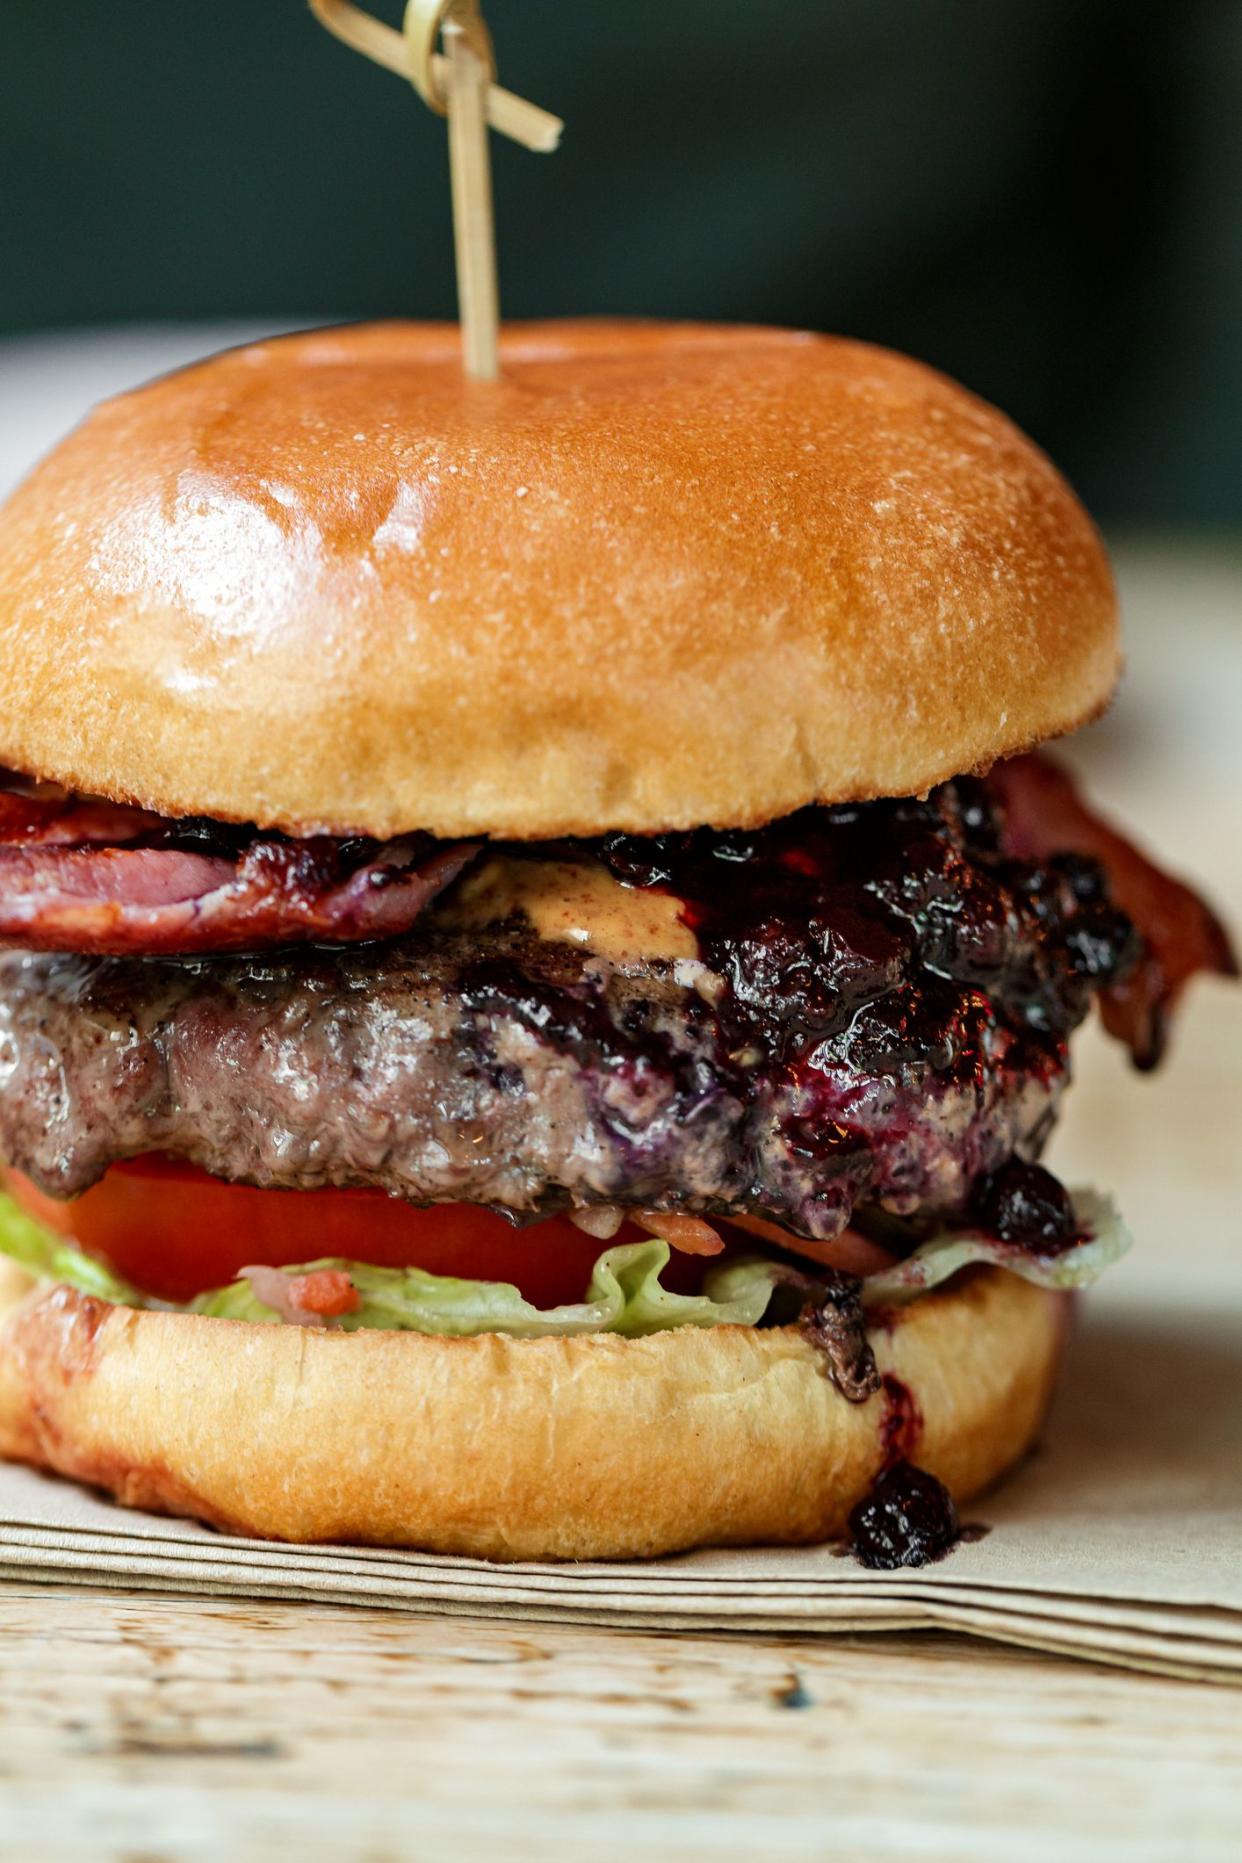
x,y
144,1728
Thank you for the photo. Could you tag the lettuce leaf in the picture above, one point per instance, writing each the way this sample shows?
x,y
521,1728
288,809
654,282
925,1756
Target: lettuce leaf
x,y
49,1257
1107,1239
625,1294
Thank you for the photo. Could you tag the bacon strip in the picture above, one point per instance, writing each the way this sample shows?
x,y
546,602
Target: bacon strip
x,y
848,1253
75,876
1044,814
44,815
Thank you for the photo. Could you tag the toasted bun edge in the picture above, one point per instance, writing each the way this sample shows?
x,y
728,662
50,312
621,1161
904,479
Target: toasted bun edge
x,y
661,575
582,1448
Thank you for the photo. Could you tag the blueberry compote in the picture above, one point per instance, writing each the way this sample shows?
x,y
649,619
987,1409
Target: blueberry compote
x,y
1023,1203
883,960
907,1519
880,1024
862,926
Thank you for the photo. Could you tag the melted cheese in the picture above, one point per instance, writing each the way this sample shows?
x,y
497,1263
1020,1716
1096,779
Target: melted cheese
x,y
568,903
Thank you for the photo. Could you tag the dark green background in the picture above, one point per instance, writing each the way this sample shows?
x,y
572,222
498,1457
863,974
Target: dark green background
x,y
1042,196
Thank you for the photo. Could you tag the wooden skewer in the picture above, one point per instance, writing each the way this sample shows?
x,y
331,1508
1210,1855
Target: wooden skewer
x,y
474,230
509,115
458,83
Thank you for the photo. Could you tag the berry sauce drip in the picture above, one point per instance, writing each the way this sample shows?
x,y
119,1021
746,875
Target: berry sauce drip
x,y
889,941
887,1014
902,1422
908,1519
1023,1203
860,927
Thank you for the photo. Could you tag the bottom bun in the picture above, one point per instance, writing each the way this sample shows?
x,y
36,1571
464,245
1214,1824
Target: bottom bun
x,y
589,1448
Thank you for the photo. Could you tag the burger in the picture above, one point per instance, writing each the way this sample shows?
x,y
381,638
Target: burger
x,y
537,949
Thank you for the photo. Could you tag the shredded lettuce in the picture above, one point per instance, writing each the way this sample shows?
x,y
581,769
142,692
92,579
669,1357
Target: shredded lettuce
x,y
625,1294
1107,1239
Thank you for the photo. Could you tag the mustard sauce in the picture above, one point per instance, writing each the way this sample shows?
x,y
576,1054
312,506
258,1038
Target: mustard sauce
x,y
569,903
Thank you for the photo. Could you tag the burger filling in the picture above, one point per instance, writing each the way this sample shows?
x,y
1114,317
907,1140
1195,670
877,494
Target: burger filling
x,y
626,1291
614,1085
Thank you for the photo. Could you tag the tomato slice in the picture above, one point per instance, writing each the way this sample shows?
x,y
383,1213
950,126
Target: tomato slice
x,y
174,1231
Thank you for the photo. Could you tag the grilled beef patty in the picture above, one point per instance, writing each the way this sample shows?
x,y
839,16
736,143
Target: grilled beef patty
x,y
878,1017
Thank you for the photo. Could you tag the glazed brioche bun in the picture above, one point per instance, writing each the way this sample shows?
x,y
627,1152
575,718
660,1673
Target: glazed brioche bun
x,y
657,576
587,1448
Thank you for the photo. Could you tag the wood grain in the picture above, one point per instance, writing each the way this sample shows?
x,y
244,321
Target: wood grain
x,y
145,1729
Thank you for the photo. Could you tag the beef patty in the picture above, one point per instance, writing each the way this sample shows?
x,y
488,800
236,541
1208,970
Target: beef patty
x,y
877,1016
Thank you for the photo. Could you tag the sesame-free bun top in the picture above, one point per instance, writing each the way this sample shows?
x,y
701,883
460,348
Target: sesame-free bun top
x,y
658,575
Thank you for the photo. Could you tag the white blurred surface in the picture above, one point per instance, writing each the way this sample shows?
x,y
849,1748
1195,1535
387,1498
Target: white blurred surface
x,y
47,383
1167,762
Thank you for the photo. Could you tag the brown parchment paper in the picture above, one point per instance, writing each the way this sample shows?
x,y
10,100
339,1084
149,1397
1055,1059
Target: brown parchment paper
x,y
1120,1539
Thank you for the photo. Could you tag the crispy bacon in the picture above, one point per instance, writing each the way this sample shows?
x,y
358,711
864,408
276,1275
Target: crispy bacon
x,y
1044,815
94,877
848,1253
45,815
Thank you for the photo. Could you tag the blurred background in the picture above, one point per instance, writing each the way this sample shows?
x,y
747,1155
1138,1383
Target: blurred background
x,y
1044,197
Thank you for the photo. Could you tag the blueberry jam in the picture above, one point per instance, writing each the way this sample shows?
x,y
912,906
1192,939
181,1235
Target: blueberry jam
x,y
902,1422
878,1020
884,928
907,1519
889,1016
1023,1203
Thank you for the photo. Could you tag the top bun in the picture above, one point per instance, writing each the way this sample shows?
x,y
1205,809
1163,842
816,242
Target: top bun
x,y
659,575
